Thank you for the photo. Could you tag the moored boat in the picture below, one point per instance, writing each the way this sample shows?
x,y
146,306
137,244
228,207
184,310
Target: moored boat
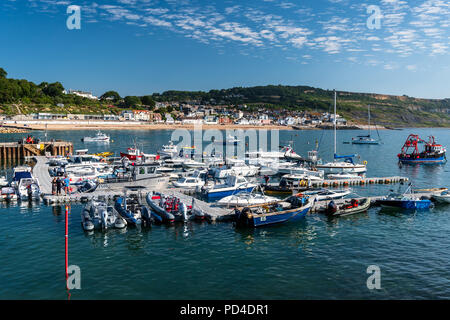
x,y
405,201
129,209
99,137
245,199
349,207
290,209
444,197
433,153
232,185
168,208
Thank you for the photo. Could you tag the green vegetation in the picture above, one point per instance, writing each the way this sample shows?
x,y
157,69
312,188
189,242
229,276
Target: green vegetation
x,y
385,109
24,97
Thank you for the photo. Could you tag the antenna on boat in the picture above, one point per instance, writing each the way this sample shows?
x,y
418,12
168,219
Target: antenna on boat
x,y
334,122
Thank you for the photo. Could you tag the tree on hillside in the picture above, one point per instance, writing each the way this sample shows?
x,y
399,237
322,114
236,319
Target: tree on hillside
x,y
148,101
111,94
3,73
53,89
131,101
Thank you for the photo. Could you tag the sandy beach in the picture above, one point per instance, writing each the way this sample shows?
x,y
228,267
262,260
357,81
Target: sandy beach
x,y
133,125
128,125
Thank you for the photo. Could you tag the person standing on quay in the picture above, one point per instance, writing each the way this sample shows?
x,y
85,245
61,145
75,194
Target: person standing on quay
x,y
66,185
58,186
54,186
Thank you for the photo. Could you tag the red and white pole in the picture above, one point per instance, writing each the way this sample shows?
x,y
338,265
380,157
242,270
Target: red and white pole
x,y
67,243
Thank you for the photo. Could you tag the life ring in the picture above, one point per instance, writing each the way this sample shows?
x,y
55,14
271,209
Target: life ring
x,y
365,162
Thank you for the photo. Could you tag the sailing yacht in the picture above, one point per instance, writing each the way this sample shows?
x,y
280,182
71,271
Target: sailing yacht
x,y
341,163
366,139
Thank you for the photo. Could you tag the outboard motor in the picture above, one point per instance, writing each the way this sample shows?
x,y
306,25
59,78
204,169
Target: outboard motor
x,y
331,208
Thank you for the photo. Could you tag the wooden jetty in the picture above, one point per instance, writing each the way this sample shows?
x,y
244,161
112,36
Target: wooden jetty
x,y
18,151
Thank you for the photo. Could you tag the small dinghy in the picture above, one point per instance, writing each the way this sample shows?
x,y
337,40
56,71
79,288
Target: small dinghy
x,y
90,217
349,207
129,209
168,208
100,216
87,186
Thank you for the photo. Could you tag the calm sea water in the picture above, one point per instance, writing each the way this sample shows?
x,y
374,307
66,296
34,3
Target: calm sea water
x,y
316,258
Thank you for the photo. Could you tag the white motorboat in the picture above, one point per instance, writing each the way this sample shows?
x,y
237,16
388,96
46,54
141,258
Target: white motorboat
x,y
273,167
58,161
99,137
192,164
289,153
189,182
245,199
325,194
344,175
19,173
28,188
232,185
294,179
144,175
235,167
169,150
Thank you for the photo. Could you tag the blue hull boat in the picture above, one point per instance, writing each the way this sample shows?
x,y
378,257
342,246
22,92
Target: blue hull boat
x,y
222,194
233,185
406,204
289,210
130,217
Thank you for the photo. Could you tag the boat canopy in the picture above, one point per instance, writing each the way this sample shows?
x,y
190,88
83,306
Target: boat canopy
x,y
22,175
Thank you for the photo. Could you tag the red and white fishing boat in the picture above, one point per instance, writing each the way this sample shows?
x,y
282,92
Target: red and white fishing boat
x,y
135,154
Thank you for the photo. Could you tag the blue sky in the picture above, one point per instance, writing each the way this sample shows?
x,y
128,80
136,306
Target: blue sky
x,y
139,47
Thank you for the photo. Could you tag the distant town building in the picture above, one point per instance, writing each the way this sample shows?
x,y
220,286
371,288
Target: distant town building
x,y
83,94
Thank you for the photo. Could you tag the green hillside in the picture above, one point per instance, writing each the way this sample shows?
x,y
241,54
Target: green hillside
x,y
25,97
385,109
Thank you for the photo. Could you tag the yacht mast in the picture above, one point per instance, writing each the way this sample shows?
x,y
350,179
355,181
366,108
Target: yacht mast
x,y
334,121
369,119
